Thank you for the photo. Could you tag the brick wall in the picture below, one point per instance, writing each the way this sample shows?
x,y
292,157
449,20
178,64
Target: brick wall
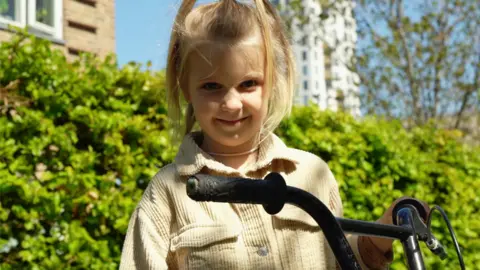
x,y
4,35
88,26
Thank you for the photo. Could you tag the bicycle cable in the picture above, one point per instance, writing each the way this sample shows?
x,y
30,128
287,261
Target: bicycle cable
x,y
454,238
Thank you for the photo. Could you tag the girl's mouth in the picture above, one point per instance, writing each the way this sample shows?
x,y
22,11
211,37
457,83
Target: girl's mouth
x,y
232,122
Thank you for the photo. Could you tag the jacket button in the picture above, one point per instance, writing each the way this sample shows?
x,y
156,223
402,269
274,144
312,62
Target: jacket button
x,y
263,251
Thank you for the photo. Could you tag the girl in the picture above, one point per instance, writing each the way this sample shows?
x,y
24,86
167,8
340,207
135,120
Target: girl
x,y
233,65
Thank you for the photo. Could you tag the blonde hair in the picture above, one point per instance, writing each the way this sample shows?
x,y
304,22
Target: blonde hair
x,y
229,21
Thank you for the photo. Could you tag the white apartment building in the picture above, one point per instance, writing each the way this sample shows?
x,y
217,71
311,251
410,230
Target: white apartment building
x,y
322,55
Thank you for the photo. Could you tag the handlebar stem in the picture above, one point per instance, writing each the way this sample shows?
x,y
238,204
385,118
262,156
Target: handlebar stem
x,y
405,218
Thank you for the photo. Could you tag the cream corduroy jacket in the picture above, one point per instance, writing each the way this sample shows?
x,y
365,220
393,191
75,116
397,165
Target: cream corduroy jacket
x,y
168,230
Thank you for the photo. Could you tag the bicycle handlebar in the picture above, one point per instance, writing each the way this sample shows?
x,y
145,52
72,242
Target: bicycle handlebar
x,y
273,193
409,215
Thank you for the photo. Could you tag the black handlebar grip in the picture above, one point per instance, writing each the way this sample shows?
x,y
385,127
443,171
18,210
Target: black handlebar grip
x,y
271,192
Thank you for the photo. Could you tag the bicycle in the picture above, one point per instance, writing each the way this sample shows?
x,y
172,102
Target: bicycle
x,y
273,193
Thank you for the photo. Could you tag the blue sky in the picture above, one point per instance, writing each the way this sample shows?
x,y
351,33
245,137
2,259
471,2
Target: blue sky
x,y
143,29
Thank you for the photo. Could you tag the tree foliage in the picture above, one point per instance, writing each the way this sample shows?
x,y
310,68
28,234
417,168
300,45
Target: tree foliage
x,y
420,60
80,140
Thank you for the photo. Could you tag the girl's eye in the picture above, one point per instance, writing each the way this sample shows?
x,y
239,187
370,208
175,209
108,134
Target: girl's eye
x,y
249,84
211,86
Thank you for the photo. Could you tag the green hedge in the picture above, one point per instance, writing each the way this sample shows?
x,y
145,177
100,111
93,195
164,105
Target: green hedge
x,y
74,160
79,142
377,161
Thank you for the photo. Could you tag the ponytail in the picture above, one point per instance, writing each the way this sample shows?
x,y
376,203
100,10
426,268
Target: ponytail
x,y
265,28
280,65
174,68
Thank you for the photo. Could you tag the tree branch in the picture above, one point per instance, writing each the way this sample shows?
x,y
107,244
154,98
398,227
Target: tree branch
x,y
442,36
469,92
409,67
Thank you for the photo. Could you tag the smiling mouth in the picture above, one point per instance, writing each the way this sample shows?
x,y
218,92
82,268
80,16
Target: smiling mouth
x,y
232,122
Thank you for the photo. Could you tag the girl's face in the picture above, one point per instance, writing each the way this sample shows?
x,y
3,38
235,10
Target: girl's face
x,y
225,87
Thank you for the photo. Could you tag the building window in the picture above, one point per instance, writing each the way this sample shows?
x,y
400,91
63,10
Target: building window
x,y
304,55
305,85
348,24
44,16
346,36
304,41
305,100
316,55
44,12
317,85
329,84
340,100
13,12
305,70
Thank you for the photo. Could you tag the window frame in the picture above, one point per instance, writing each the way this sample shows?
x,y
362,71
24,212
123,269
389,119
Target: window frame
x,y
55,31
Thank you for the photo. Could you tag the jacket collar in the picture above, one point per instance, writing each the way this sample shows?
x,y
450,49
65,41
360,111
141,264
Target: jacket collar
x,y
191,159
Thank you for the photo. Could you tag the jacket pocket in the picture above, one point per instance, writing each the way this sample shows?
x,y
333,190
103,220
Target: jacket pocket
x,y
201,235
208,246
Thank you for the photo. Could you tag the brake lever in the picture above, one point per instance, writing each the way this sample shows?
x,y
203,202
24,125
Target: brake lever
x,y
424,235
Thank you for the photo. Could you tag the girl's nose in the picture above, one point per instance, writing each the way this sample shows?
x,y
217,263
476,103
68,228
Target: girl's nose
x,y
232,100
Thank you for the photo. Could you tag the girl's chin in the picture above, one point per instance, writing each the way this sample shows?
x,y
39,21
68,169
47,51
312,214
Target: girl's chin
x,y
243,141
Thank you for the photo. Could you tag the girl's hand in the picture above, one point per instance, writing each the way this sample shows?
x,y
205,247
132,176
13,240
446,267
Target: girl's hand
x,y
385,244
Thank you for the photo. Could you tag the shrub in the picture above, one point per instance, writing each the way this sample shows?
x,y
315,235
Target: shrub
x,y
377,161
76,156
